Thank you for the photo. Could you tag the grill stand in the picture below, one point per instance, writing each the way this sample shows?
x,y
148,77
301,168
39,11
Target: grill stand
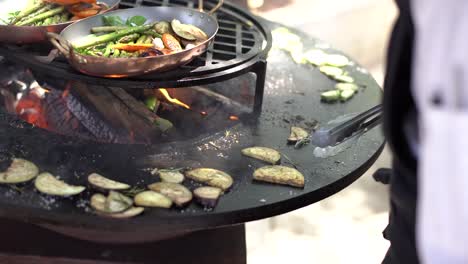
x,y
224,245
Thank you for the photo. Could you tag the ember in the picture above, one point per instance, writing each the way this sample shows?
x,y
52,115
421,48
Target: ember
x,y
234,118
29,107
172,100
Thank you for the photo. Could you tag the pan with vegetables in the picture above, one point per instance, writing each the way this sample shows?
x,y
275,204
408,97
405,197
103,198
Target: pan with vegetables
x,y
137,41
28,21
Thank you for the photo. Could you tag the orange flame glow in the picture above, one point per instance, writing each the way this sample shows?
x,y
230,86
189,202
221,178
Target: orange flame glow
x,y
233,118
172,100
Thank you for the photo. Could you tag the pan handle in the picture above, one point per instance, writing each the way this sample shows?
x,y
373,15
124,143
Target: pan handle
x,y
212,11
60,43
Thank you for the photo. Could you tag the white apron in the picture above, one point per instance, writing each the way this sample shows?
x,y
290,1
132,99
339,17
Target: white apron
x,y
440,70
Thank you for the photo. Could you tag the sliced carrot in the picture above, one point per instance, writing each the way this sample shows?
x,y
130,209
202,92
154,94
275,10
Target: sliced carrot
x,y
167,51
83,10
171,42
132,47
86,13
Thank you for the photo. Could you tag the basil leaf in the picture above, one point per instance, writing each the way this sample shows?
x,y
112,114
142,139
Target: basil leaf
x,y
136,21
112,21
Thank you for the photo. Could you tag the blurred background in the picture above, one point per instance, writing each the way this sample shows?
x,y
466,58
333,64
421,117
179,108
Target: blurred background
x,y
347,227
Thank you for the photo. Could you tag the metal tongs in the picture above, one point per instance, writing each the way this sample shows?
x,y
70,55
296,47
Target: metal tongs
x,y
332,136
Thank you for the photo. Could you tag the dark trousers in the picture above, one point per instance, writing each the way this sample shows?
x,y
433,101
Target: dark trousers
x,y
401,228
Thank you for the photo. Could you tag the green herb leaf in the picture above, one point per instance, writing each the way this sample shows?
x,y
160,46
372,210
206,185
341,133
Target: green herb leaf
x,y
112,21
13,14
136,21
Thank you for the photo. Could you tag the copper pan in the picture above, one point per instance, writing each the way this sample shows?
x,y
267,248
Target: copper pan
x,y
126,67
35,34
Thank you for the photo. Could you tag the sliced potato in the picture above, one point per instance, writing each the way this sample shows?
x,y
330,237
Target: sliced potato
x,y
212,177
117,202
178,193
331,71
171,176
48,184
208,196
98,202
297,134
261,153
19,171
152,199
104,183
280,175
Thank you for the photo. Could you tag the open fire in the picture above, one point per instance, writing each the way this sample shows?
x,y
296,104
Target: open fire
x,y
116,115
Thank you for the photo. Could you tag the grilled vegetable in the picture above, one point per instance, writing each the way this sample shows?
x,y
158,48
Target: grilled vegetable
x,y
330,96
336,60
264,154
152,102
171,42
48,184
331,71
212,177
105,29
19,171
98,202
172,176
316,57
24,13
132,47
42,16
163,27
104,183
346,86
142,39
188,32
297,134
83,10
95,40
70,2
152,199
117,202
344,78
179,194
346,95
207,196
280,175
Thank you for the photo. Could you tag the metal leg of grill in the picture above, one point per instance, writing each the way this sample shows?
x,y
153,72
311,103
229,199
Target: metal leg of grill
x,y
260,71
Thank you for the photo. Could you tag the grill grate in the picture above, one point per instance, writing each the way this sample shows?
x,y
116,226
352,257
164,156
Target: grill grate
x,y
238,38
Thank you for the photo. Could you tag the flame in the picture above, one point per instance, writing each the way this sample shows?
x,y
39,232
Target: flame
x,y
172,100
203,113
233,118
65,93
